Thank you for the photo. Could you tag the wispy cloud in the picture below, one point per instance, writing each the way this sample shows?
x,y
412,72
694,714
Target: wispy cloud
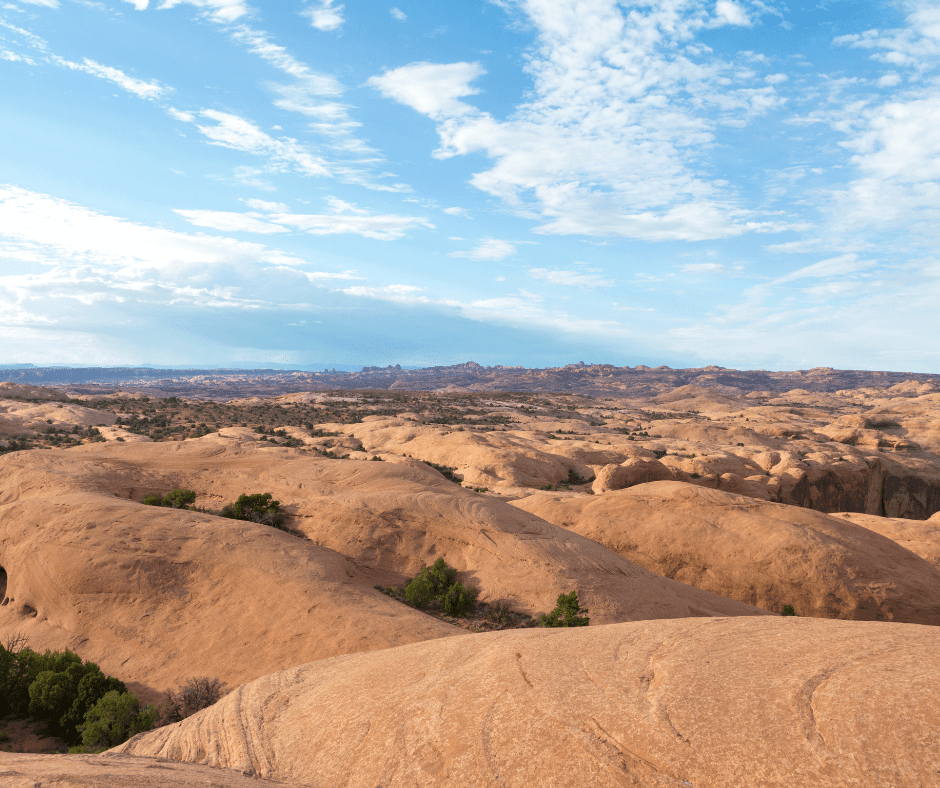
x,y
622,105
398,14
488,249
912,46
138,87
6,54
571,278
237,133
342,218
225,11
703,268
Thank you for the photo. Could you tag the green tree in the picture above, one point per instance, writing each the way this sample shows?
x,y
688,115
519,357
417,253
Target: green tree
x,y
430,584
60,699
460,600
568,613
114,719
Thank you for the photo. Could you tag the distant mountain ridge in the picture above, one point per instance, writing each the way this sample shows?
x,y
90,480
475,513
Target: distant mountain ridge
x,y
587,379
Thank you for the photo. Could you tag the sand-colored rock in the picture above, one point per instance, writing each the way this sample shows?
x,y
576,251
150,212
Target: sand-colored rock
x,y
161,595
761,553
156,595
25,417
115,770
921,537
629,474
488,459
397,517
723,703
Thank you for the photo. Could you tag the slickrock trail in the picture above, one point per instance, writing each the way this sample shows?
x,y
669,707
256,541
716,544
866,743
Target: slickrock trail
x,y
761,553
705,703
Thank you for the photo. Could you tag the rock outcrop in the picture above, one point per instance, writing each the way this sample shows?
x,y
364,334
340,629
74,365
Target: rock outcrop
x,y
765,554
705,702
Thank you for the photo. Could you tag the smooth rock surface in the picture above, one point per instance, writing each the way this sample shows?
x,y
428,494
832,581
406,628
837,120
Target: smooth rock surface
x,y
765,554
742,702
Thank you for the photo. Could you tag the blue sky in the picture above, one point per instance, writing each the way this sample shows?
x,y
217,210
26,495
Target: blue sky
x,y
538,182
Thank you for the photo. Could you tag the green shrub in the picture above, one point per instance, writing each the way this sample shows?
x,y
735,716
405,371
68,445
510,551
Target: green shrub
x,y
114,719
438,583
788,610
568,613
460,600
258,508
430,584
446,471
179,498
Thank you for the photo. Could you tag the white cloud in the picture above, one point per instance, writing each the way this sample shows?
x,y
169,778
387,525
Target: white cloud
x,y
730,13
488,249
40,228
889,80
140,5
316,95
463,212
324,15
433,89
232,131
897,154
45,3
776,79
620,112
342,218
178,114
260,44
570,278
141,89
224,11
269,207
6,54
398,14
913,46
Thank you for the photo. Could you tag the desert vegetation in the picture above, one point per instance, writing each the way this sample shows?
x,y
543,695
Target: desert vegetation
x,y
254,507
68,698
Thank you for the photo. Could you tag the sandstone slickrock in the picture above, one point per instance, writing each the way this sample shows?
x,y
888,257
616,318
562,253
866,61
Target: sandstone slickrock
x,y
162,594
921,537
156,595
630,473
696,702
761,553
117,771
